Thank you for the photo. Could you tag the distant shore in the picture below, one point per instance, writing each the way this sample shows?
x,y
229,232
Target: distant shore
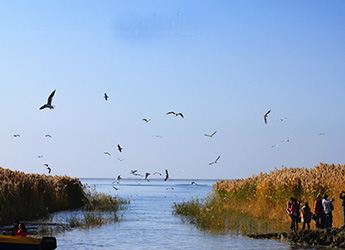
x,y
331,237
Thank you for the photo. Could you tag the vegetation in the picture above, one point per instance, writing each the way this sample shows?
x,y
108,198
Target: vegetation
x,y
32,196
258,204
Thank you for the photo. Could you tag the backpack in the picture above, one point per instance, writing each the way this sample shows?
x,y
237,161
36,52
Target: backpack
x,y
318,207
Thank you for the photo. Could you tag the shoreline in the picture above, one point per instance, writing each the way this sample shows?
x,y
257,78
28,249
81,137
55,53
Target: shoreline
x,y
331,237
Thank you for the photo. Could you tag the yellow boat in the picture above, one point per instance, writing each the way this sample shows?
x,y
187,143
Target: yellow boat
x,y
27,243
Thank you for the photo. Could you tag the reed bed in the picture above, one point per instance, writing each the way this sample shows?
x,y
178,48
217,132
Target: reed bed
x,y
30,196
258,204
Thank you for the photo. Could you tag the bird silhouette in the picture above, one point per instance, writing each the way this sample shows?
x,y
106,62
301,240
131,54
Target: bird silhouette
x,y
107,153
211,134
146,120
175,114
106,96
119,148
47,167
49,103
146,176
16,135
48,136
265,116
214,162
120,159
166,175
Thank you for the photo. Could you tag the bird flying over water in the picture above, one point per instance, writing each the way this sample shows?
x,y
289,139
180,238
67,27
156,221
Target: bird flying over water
x,y
265,116
166,175
211,134
119,148
106,96
175,114
214,161
47,167
147,175
49,103
118,178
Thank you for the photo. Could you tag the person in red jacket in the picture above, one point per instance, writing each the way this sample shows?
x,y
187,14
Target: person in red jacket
x,y
22,232
319,212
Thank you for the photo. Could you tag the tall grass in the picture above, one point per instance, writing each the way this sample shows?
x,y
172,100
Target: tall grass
x,y
261,200
30,196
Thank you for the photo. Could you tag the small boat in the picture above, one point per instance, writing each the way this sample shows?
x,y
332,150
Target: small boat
x,y
27,243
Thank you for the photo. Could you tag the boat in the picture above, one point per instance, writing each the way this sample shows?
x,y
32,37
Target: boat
x,y
27,243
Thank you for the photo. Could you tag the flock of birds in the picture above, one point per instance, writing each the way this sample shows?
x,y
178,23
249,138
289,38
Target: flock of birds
x,y
134,172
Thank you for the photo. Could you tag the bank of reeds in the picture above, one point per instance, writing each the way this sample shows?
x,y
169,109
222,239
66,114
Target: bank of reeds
x,y
258,204
29,196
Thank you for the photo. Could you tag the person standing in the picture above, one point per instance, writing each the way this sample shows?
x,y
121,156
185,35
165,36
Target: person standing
x,y
327,206
306,215
342,196
319,212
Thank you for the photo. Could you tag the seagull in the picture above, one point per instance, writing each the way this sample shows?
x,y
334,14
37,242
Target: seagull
x,y
48,136
16,135
192,183
115,188
134,172
119,148
166,175
118,178
49,103
321,134
156,173
146,120
286,140
47,167
158,136
106,96
282,119
214,161
120,159
275,146
107,153
147,175
211,134
265,116
175,114
39,156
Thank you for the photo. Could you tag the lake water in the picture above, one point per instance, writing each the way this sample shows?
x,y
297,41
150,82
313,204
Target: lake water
x,y
148,223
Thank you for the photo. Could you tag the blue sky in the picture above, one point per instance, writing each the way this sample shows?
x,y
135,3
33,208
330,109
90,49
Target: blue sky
x,y
223,64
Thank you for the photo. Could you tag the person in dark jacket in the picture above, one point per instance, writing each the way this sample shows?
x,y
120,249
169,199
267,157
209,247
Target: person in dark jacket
x,y
306,215
342,196
15,227
319,212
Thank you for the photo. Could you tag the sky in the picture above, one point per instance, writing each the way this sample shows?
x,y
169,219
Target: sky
x,y
222,64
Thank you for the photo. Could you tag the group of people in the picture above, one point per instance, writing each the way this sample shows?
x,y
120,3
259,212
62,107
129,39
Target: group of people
x,y
19,229
322,213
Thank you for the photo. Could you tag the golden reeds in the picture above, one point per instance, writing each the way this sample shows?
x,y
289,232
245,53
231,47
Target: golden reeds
x,y
29,196
264,197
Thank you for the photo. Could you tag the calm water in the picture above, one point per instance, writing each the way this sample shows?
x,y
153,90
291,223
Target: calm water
x,y
148,222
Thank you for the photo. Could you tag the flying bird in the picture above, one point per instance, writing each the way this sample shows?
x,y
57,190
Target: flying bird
x,y
321,134
107,153
119,148
282,119
211,134
147,175
48,136
214,161
146,120
175,114
39,156
265,116
166,175
49,103
120,159
47,167
156,173
158,136
115,188
16,135
106,96
118,178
